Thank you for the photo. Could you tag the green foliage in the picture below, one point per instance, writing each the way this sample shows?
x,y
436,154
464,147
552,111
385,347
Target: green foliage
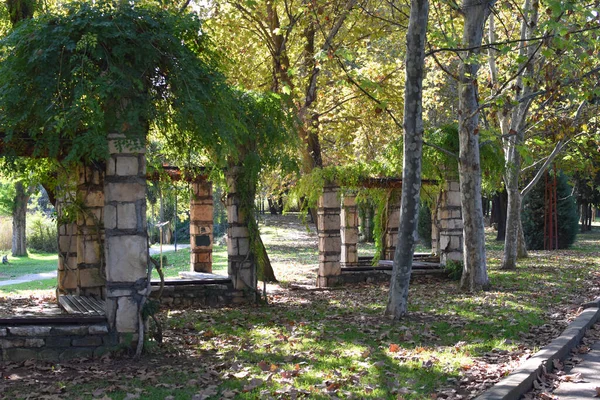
x,y
157,258
69,77
7,197
534,211
438,164
41,233
454,270
424,224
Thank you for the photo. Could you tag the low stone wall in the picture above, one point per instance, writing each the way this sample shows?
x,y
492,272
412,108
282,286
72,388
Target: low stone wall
x,y
204,295
54,341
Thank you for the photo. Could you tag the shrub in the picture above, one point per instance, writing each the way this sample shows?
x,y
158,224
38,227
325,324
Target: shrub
x,y
454,270
534,213
5,233
41,233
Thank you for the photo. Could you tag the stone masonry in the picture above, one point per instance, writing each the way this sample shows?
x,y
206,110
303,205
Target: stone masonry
x,y
349,232
447,227
201,227
241,266
390,237
328,223
126,244
91,277
54,342
68,274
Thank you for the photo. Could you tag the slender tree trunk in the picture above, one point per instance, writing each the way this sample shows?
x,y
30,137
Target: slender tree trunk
x,y
475,269
500,214
513,245
19,224
397,305
521,244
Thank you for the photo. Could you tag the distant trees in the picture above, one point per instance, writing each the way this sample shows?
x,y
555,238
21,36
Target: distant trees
x,y
550,218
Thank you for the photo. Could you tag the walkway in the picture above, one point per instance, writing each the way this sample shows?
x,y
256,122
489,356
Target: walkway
x,y
589,369
29,278
155,249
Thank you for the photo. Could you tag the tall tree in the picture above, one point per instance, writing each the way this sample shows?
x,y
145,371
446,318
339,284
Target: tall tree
x,y
18,11
475,13
548,42
413,149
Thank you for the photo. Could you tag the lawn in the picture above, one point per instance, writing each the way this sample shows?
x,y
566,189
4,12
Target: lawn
x,y
33,264
336,343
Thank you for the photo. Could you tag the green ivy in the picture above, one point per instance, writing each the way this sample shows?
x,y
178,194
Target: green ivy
x,y
69,77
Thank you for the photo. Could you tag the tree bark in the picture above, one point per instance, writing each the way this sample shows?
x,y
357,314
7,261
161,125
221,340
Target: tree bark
x,y
500,214
19,223
475,268
515,139
397,305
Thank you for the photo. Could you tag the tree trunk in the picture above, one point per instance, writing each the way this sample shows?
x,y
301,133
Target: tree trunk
x,y
397,305
475,269
19,224
500,214
513,245
521,244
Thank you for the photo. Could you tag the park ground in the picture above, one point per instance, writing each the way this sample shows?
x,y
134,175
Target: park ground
x,y
311,343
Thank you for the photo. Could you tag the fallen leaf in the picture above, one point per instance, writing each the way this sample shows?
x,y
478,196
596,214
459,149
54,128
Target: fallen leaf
x,y
253,384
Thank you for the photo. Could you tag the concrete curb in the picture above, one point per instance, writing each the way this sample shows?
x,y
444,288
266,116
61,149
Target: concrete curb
x,y
520,381
592,304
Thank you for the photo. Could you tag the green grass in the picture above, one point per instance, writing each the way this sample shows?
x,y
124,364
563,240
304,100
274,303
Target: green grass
x,y
34,263
180,262
29,288
312,341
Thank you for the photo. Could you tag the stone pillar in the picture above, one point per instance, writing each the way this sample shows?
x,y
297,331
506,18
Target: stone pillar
x,y
201,227
68,274
241,266
449,223
390,237
330,243
126,234
349,232
90,232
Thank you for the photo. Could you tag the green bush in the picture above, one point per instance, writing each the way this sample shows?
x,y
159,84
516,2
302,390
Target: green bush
x,y
534,210
454,270
424,225
41,233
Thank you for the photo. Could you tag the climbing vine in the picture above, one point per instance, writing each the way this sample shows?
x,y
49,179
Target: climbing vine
x,y
98,68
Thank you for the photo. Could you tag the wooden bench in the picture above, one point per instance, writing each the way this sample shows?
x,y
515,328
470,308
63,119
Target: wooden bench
x,y
82,305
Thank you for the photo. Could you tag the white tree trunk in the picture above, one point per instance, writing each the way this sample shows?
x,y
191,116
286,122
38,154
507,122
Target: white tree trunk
x,y
475,268
413,148
512,242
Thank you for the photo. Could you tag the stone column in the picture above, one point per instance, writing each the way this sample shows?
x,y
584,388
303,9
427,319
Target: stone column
x,y
330,243
90,231
449,235
201,227
349,232
241,266
68,274
126,234
390,237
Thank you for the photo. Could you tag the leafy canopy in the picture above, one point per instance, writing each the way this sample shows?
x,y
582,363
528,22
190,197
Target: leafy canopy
x,y
69,77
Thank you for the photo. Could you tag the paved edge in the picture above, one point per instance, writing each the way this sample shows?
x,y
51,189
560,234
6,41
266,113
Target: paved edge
x,y
520,381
